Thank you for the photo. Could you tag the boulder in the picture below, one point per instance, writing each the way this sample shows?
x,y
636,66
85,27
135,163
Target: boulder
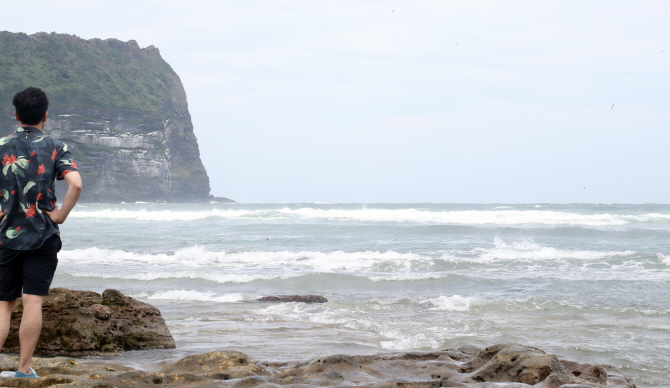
x,y
294,298
87,323
222,365
512,363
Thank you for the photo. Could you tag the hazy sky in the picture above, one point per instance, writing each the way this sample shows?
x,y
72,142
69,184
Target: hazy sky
x,y
412,101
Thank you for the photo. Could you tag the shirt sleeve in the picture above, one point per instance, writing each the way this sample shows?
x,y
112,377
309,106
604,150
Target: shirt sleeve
x,y
65,163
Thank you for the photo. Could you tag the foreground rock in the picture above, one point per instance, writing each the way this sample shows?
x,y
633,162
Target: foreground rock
x,y
87,323
500,366
294,298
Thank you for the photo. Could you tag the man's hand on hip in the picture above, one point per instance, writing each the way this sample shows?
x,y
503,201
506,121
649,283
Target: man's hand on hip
x,y
54,215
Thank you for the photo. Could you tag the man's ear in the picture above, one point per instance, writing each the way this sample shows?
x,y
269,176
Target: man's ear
x,y
17,116
44,119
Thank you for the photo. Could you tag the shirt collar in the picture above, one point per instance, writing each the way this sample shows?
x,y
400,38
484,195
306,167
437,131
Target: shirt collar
x,y
28,130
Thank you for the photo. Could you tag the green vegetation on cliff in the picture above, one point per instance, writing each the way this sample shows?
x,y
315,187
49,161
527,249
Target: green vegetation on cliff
x,y
103,74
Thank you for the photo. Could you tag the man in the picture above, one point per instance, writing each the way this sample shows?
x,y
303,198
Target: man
x,y
29,235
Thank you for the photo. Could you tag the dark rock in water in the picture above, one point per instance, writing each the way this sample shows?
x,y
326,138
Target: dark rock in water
x,y
221,199
294,298
499,366
86,323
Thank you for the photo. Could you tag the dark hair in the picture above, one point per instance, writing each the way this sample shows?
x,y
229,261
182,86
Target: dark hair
x,y
31,105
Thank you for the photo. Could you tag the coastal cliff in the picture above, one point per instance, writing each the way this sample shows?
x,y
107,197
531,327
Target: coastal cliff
x,y
121,109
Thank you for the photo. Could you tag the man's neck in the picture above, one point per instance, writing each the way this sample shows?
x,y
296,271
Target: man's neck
x,y
39,126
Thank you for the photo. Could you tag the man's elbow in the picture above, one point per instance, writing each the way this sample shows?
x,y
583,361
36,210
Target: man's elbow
x,y
73,181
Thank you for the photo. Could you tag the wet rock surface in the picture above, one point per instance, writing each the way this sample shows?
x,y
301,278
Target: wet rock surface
x,y
500,366
294,298
87,323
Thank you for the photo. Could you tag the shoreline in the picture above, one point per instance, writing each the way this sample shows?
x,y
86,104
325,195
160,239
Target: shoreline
x,y
506,365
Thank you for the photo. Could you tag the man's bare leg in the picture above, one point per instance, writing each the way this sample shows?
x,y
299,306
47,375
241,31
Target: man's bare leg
x,y
29,332
6,308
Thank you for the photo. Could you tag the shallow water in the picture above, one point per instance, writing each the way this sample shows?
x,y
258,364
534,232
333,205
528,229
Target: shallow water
x,y
587,282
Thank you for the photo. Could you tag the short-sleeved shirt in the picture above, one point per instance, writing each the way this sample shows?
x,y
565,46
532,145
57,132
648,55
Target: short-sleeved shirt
x,y
31,163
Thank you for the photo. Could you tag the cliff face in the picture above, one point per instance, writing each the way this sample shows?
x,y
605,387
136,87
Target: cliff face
x,y
121,109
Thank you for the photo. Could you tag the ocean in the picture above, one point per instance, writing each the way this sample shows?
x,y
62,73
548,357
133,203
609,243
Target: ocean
x,y
587,282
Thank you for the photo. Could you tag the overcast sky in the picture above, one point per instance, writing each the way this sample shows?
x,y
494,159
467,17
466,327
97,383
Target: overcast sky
x,y
412,101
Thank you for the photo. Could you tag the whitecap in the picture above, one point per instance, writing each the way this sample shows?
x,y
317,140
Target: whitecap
x,y
217,278
500,216
199,296
462,217
451,303
198,257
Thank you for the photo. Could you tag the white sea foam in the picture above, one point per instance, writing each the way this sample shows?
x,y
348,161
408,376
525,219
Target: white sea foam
x,y
406,276
497,216
463,217
165,215
351,317
665,259
198,257
242,267
528,251
451,303
212,277
199,296
402,341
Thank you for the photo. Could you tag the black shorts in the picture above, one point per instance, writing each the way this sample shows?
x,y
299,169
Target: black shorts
x,y
31,271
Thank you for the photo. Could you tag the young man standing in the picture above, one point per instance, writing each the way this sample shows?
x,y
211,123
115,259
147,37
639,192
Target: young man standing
x,y
29,235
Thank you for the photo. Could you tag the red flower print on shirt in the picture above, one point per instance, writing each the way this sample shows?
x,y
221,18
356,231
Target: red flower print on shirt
x,y
13,192
65,173
32,153
40,196
74,164
53,156
40,170
31,211
8,160
18,228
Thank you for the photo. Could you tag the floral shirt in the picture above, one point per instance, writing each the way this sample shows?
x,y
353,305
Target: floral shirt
x,y
31,163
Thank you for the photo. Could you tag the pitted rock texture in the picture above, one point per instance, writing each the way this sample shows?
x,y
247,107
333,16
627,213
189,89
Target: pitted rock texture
x,y
87,323
224,365
499,366
102,312
294,298
120,108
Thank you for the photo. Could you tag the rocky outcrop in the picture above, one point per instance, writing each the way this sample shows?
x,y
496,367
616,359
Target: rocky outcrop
x,y
500,366
121,109
294,298
218,366
87,323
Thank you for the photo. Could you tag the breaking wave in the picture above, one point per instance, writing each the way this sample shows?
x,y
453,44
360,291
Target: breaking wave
x,y
499,216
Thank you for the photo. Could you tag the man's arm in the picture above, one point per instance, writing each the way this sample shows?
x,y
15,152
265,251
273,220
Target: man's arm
x,y
73,180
